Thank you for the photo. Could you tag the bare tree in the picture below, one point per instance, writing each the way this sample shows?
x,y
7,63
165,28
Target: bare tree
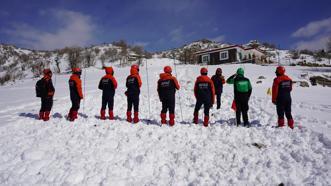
x,y
57,63
89,58
112,54
74,57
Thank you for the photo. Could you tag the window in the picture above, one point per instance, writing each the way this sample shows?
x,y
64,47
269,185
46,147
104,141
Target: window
x,y
205,58
224,55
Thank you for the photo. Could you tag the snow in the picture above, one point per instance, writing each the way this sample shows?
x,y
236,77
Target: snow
x,y
94,152
285,58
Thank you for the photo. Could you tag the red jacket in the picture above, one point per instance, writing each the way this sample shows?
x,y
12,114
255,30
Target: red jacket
x,y
281,88
167,86
75,84
203,91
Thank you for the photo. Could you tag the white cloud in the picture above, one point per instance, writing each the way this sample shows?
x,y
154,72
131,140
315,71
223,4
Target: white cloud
x,y
4,13
141,43
314,35
313,44
219,38
314,28
176,35
74,29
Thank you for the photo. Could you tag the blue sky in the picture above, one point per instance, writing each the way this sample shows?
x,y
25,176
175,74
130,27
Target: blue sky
x,y
164,24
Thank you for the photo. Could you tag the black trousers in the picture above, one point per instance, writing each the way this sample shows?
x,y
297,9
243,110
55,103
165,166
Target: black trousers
x,y
242,108
46,104
284,107
218,100
168,104
107,101
75,104
206,104
133,101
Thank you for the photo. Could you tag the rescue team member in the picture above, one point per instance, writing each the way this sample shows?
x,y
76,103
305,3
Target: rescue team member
x,y
204,92
242,92
133,84
166,88
218,80
281,97
107,84
76,93
45,90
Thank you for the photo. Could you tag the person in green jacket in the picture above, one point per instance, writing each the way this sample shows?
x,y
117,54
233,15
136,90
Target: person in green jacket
x,y
242,92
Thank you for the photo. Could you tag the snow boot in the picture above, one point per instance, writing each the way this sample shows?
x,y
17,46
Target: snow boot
x,y
111,115
41,115
102,114
206,121
69,115
46,116
281,122
196,117
172,119
163,118
136,117
291,123
128,117
73,115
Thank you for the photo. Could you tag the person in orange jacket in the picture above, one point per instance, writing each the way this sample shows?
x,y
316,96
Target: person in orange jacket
x,y
76,93
133,84
204,92
166,88
45,90
281,97
108,85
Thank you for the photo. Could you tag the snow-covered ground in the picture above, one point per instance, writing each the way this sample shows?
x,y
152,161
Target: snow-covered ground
x,y
285,58
94,152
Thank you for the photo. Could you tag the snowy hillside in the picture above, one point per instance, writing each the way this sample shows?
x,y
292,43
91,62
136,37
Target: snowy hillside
x,y
19,63
94,152
286,58
190,47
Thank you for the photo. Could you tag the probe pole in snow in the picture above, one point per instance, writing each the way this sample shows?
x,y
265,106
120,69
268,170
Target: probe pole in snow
x,y
149,104
180,103
84,89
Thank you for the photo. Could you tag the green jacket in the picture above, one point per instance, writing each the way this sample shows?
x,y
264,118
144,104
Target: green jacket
x,y
241,84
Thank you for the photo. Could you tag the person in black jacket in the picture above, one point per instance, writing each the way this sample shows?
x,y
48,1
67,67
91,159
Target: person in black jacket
x,y
218,80
281,97
204,92
76,93
108,84
47,93
133,84
166,88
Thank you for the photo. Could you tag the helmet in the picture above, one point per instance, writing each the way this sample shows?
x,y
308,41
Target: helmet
x,y
240,71
47,71
167,69
109,70
135,66
218,71
134,71
76,70
203,71
280,70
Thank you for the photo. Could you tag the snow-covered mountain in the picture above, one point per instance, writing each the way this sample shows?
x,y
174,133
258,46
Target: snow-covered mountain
x,y
17,63
195,46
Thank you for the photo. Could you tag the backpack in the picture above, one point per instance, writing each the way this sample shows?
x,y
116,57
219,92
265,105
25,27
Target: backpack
x,y
40,88
242,86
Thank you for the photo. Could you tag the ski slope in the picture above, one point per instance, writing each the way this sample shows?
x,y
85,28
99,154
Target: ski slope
x,y
90,151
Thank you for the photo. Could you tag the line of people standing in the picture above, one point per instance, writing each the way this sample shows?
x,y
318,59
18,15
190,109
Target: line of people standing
x,y
205,91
